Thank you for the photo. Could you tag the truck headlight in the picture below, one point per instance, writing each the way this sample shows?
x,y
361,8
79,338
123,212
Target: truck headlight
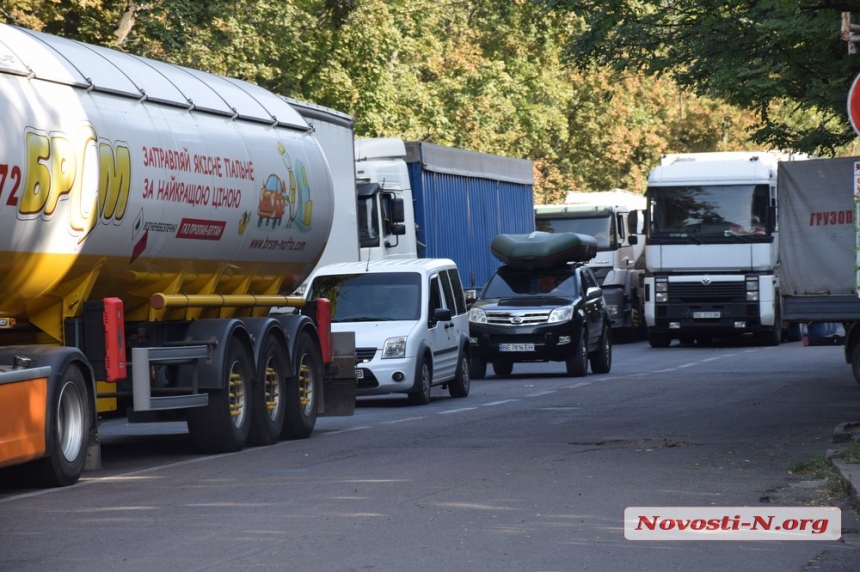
x,y
752,288
563,314
477,316
661,290
394,348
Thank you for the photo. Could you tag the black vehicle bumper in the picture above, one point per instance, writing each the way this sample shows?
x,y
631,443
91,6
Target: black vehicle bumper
x,y
549,342
734,318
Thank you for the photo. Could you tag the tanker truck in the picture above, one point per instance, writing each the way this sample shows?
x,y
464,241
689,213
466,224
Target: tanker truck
x,y
150,217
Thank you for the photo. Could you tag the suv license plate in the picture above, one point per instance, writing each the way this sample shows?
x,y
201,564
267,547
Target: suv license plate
x,y
516,347
706,315
359,374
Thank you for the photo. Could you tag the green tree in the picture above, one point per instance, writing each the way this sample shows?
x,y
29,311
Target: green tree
x,y
784,59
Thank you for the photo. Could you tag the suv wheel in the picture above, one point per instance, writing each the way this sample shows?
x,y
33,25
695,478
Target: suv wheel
x,y
477,368
503,367
601,360
577,364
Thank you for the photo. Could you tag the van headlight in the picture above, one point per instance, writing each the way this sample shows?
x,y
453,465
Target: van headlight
x,y
478,316
563,314
394,348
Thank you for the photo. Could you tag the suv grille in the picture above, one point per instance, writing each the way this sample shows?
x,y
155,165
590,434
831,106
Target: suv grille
x,y
517,318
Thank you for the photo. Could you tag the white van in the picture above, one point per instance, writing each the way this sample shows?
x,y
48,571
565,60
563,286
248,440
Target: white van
x,y
410,321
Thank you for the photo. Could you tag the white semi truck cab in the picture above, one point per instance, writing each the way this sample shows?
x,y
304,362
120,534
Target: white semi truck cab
x,y
711,248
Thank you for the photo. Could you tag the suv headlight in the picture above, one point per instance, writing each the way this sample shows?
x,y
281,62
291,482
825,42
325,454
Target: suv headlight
x,y
394,348
563,314
477,316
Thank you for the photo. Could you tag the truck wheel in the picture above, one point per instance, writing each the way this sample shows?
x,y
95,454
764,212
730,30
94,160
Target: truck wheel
x,y
68,447
301,391
704,339
421,396
503,367
269,403
686,339
224,424
460,386
601,360
477,368
659,340
855,362
577,364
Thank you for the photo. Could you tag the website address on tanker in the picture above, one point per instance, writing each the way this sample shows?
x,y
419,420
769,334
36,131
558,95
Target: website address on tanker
x,y
288,244
732,523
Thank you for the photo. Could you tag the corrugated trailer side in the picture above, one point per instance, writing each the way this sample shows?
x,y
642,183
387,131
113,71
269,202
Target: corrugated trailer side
x,y
465,193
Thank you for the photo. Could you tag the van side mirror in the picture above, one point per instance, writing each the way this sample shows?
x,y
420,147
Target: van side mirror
x,y
442,315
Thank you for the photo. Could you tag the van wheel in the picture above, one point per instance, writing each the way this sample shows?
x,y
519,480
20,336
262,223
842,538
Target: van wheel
x,y
477,368
421,396
269,402
224,424
601,360
577,364
301,392
460,386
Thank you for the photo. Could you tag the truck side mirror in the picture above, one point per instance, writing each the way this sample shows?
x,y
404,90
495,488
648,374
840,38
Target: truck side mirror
x,y
398,229
397,213
633,224
632,239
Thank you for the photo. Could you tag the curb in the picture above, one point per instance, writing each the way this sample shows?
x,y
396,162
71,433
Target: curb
x,y
847,434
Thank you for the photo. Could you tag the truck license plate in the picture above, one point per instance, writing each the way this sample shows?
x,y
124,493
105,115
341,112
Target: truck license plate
x,y
359,374
516,347
706,315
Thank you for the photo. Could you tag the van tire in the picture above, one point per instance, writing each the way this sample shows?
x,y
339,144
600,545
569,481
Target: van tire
x,y
421,395
460,386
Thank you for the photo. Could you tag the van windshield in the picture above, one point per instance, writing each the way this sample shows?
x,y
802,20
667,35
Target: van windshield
x,y
370,296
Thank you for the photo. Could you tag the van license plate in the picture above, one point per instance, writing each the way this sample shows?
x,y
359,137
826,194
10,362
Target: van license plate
x,y
516,347
706,315
359,374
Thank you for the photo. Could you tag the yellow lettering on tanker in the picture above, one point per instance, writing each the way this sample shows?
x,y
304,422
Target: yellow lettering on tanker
x,y
34,195
83,201
115,180
63,172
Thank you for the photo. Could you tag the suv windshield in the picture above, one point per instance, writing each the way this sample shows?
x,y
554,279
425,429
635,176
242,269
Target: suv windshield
x,y
508,283
370,297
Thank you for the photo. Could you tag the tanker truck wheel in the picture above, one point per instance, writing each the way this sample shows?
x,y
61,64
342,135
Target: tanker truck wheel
x,y
855,362
224,424
68,448
268,403
301,391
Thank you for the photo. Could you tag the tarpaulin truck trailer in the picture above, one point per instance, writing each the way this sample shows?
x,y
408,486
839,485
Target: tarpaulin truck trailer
x,y
160,210
818,250
430,201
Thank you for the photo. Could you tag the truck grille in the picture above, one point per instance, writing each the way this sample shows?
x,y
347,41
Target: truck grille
x,y
695,292
517,318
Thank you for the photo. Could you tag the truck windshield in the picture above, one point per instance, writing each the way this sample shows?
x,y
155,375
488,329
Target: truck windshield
x,y
709,212
509,283
371,296
602,228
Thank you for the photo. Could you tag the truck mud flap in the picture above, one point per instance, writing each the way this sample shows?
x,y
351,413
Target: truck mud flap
x,y
340,385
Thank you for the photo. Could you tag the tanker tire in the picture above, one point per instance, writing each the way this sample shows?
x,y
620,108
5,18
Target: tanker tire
x,y
302,391
64,462
223,426
855,362
268,403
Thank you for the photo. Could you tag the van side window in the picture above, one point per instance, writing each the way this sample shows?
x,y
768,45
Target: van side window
x,y
446,288
435,297
459,296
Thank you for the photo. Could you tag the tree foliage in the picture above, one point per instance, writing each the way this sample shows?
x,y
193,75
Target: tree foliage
x,y
486,75
783,59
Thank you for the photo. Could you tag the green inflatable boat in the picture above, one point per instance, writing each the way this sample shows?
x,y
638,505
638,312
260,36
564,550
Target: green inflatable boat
x,y
543,249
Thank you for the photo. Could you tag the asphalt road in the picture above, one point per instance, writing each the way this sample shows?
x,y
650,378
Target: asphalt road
x,y
531,472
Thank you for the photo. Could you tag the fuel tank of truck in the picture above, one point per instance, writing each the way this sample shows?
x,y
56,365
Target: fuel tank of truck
x,y
123,176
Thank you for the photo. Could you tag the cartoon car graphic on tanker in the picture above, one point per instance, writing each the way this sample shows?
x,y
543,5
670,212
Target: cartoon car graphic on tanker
x,y
275,202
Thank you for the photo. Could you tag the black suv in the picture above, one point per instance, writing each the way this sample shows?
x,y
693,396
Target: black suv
x,y
554,314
